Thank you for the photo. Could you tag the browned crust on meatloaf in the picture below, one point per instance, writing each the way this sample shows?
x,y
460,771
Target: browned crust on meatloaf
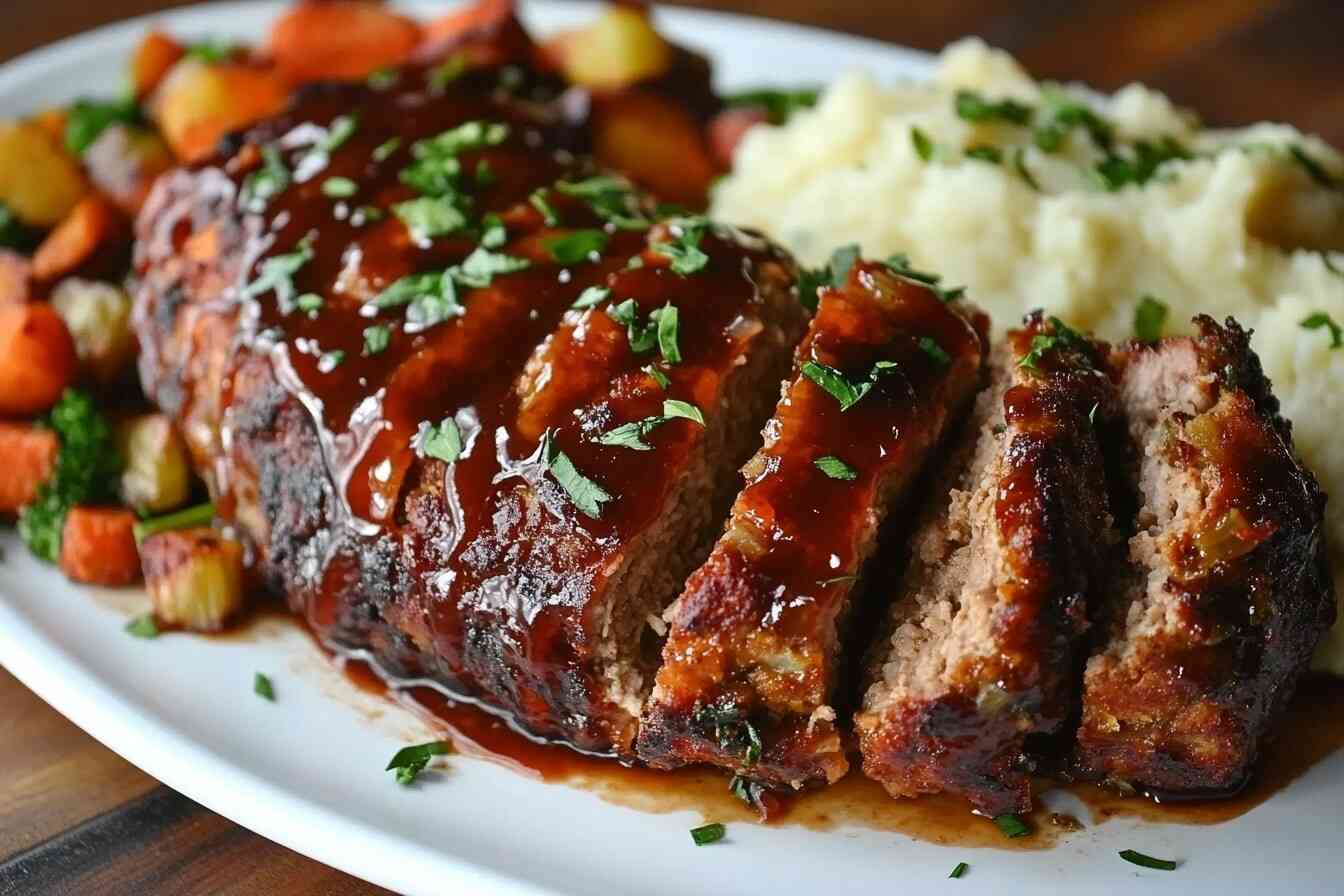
x,y
481,574
987,627
751,659
1226,590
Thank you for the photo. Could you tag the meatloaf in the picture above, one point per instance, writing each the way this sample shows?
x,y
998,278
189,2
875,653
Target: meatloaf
x,y
478,416
987,626
1225,591
755,640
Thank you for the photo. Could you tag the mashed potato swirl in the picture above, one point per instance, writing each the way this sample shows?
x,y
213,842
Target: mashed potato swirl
x,y
1248,222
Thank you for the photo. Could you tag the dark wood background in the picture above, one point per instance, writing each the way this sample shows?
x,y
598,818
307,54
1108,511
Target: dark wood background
x,y
75,818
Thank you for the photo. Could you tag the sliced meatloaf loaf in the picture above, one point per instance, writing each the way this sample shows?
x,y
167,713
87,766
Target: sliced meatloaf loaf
x,y
987,627
751,659
1226,590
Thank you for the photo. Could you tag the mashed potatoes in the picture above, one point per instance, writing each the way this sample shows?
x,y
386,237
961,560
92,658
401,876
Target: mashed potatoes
x,y
1247,223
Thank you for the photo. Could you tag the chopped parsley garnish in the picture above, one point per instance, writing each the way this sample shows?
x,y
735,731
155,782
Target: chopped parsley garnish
x,y
667,333
1020,166
779,105
86,120
708,833
899,265
1063,115
467,136
684,251
145,626
1011,826
632,435
591,297
376,339
1062,337
493,232
449,71
611,198
329,361
187,518
1313,168
929,346
1137,858
924,147
734,734
431,298
383,78
585,494
430,216
262,687
483,265
839,386
211,50
843,260
657,375
1117,171
341,129
339,187
383,151
277,275
972,106
309,302
88,469
990,154
748,791
443,441
959,870
538,201
1320,319
409,762
835,468
1150,317
833,274
577,246
406,289
266,182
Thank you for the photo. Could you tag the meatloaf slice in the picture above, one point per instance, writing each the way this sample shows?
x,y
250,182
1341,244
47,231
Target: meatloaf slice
x,y
1227,589
751,658
986,630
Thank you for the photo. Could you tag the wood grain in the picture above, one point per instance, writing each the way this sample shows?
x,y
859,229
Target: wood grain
x,y
75,818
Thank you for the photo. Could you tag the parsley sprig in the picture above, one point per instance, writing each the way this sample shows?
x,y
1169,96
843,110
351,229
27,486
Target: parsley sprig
x,y
584,493
632,435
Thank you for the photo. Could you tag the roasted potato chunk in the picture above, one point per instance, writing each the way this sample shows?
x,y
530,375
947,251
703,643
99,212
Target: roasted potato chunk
x,y
39,180
194,577
157,477
98,316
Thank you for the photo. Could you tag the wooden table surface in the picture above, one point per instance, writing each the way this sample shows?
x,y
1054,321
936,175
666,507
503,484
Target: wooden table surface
x,y
75,818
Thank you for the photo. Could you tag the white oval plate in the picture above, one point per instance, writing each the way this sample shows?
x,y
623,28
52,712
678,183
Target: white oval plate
x,y
307,771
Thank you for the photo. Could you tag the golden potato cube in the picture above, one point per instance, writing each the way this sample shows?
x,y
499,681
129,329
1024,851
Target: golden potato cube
x,y
619,49
194,577
157,476
98,316
39,180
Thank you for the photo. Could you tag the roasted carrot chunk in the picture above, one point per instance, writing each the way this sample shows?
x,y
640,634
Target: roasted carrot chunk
x,y
657,143
341,39
94,224
156,54
98,546
37,359
29,456
16,278
198,103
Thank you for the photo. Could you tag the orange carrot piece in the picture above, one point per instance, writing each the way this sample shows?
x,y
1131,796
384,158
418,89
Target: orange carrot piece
x,y
52,120
98,546
37,359
198,103
16,278
93,224
156,54
29,457
657,143
340,39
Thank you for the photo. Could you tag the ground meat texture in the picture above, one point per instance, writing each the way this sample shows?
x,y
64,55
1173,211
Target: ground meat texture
x,y
987,624
1225,586
750,664
484,572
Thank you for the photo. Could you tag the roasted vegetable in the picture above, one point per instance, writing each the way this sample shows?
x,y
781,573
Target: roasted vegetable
x,y
28,454
340,39
16,278
156,54
194,577
98,316
157,477
97,547
87,472
619,49
39,181
37,359
93,238
198,103
657,143
86,119
123,163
